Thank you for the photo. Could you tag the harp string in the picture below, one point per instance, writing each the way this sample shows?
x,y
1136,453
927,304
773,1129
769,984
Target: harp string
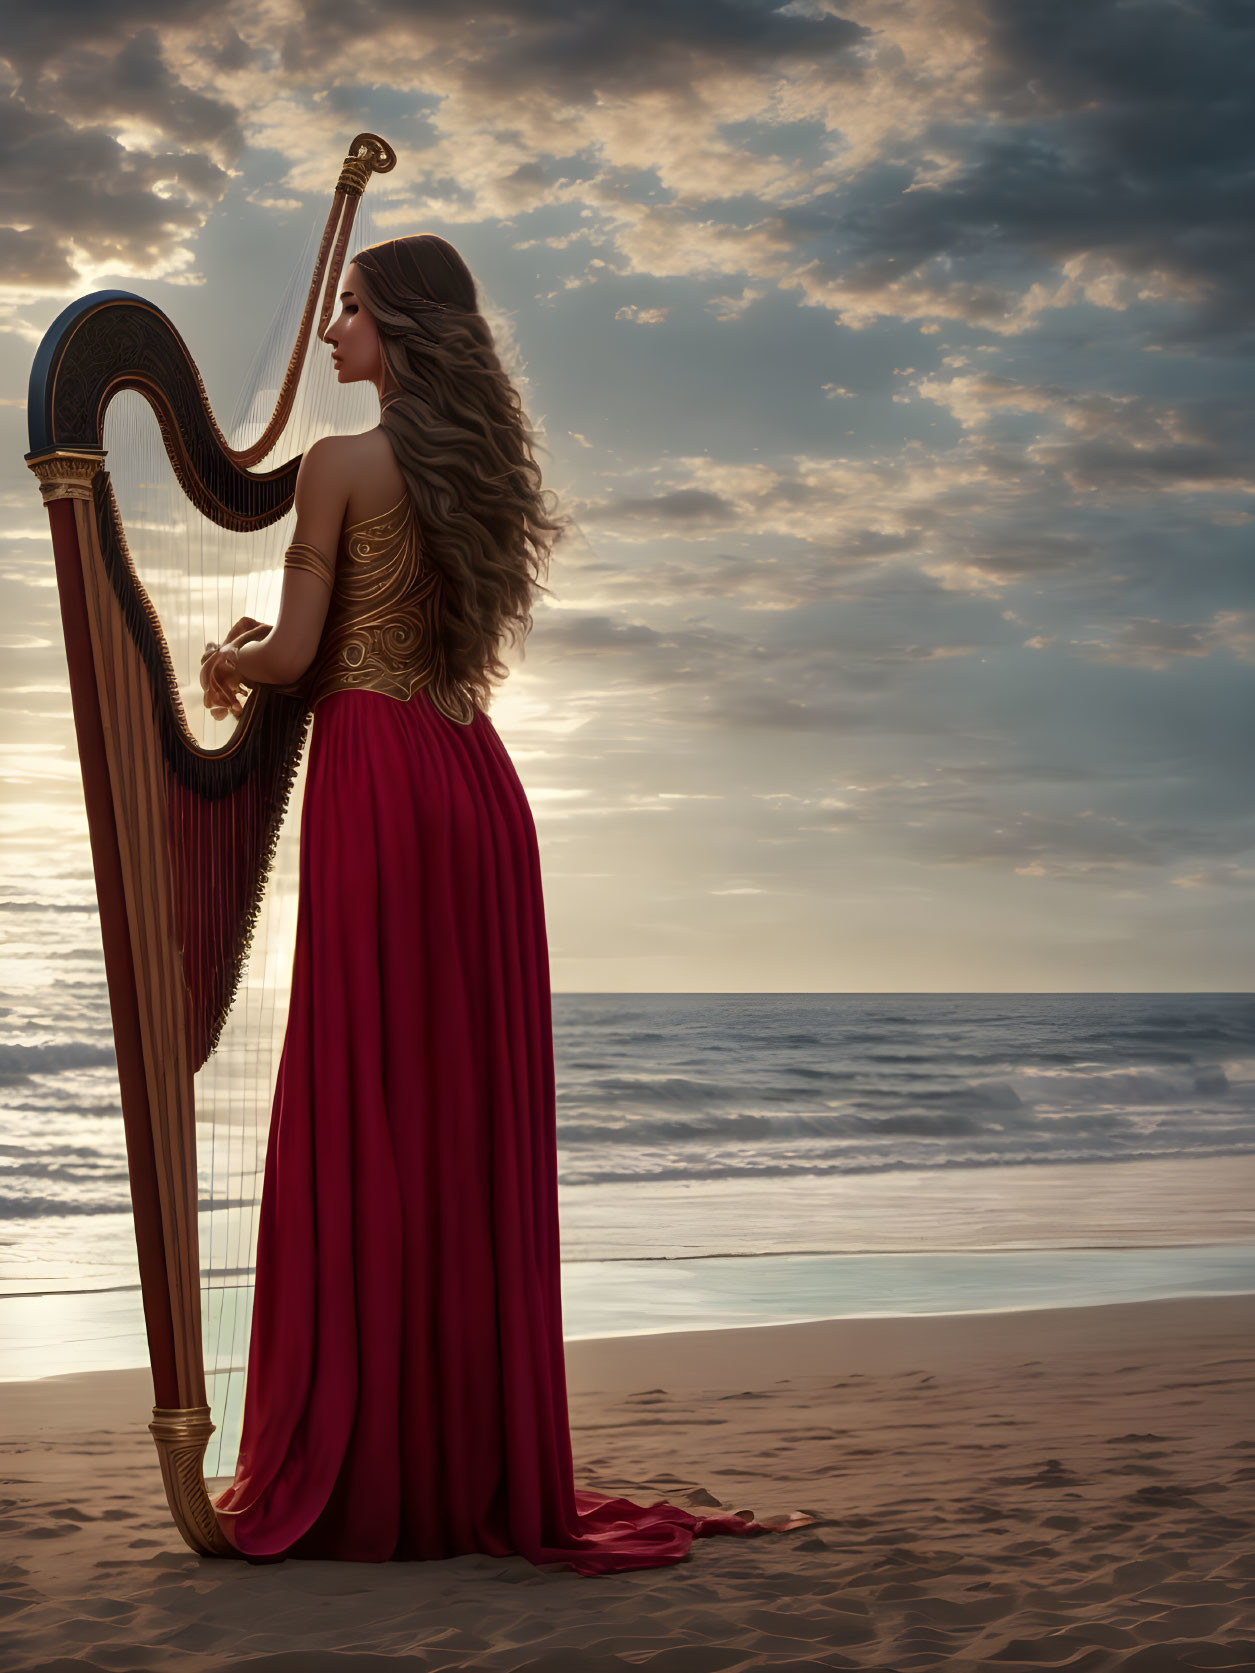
x,y
201,579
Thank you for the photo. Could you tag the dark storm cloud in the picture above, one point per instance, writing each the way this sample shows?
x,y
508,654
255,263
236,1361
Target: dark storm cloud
x,y
1227,876
36,38
701,676
682,506
60,183
1144,642
975,817
653,44
1087,845
694,675
577,52
77,74
1020,772
1208,462
646,656
769,581
1017,553
1089,439
134,85
1124,136
597,635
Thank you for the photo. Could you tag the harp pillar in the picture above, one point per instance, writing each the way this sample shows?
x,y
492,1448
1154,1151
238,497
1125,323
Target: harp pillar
x,y
181,1424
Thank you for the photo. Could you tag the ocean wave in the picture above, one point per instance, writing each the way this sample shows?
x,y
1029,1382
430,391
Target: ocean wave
x,y
38,1208
19,1062
94,1170
90,1152
106,1109
1128,1085
799,1071
35,1207
48,906
757,1167
754,1126
614,1108
676,1091
1209,1034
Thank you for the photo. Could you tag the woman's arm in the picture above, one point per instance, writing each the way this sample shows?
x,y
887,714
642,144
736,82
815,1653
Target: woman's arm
x,y
282,654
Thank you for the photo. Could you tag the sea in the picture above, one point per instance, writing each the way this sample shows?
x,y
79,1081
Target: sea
x,y
727,1158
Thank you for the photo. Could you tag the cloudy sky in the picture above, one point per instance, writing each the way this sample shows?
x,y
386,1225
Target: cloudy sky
x,y
894,359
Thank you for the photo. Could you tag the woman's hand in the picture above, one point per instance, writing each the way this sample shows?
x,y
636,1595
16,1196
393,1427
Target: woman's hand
x,y
221,681
247,631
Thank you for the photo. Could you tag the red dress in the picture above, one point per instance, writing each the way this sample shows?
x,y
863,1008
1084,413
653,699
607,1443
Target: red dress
x,y
406,1389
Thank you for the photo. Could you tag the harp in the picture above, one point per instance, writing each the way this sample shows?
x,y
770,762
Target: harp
x,y
183,828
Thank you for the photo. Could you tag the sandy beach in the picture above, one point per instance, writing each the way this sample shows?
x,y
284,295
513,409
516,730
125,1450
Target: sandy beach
x,y
1067,1488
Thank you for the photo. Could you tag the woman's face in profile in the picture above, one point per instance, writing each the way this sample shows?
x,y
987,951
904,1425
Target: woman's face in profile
x,y
354,336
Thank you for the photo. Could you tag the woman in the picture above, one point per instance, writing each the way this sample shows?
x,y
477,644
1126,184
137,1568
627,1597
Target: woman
x,y
406,1393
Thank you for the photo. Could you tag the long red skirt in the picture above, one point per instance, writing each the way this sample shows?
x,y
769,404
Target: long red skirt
x,y
406,1389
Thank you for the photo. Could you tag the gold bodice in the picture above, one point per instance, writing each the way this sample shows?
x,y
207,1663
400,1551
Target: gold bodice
x,y
383,624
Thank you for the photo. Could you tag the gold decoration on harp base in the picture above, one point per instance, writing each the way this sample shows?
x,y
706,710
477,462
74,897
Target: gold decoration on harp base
x,y
66,473
367,155
182,1434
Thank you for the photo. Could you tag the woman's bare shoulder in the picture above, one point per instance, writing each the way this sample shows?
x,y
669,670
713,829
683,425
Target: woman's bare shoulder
x,y
368,466
356,449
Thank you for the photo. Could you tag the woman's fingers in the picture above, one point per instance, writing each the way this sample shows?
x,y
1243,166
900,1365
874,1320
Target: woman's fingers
x,y
220,679
220,700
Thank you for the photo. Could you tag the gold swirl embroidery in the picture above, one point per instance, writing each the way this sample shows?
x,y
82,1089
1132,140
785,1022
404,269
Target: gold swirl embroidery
x,y
382,629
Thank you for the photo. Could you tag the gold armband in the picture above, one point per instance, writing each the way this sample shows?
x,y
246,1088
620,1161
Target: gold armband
x,y
302,556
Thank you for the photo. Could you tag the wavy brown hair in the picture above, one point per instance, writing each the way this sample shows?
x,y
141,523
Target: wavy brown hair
x,y
462,439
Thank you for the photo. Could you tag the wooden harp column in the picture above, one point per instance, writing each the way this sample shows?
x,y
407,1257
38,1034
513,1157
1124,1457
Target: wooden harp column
x,y
175,929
